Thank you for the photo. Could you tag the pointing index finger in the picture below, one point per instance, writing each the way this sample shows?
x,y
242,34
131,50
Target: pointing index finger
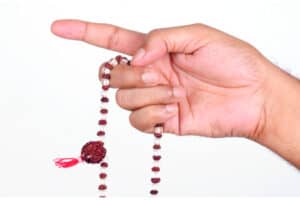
x,y
103,35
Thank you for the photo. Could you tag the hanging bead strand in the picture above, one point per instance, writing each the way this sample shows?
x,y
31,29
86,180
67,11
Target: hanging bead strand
x,y
105,80
106,69
155,179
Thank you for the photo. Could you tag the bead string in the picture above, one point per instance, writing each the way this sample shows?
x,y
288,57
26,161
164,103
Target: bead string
x,y
95,152
158,129
106,75
155,179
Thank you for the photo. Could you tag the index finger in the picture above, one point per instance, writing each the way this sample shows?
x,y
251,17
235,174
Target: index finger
x,y
103,35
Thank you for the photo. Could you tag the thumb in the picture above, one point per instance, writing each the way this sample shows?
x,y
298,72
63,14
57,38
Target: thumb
x,y
183,39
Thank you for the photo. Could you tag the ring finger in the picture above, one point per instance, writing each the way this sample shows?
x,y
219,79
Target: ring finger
x,y
146,118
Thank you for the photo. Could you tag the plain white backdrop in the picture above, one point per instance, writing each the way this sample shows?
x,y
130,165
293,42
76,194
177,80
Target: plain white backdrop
x,y
49,100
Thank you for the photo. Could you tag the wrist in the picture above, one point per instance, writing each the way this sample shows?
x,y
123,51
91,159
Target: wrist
x,y
281,127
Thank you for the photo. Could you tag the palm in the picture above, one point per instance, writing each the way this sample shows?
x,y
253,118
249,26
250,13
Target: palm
x,y
223,90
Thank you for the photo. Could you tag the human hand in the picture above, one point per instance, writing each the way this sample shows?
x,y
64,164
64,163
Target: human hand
x,y
205,82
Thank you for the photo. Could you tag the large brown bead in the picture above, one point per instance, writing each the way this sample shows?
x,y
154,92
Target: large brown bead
x,y
93,152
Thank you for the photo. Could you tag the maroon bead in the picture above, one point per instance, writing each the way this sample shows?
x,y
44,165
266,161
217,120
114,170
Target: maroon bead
x,y
104,99
102,187
105,87
108,66
156,146
101,133
155,169
106,76
158,135
93,152
155,180
102,122
102,175
118,58
104,164
153,192
156,158
103,111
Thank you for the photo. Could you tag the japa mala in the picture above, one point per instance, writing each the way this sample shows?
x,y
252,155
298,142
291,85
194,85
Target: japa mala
x,y
94,152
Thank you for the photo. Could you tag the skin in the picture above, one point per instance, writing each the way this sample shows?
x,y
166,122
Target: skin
x,y
198,80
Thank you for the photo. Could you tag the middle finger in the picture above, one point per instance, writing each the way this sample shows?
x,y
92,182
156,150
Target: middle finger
x,y
136,98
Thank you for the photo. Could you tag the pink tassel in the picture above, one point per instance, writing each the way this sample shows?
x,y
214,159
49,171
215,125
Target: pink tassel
x,y
66,162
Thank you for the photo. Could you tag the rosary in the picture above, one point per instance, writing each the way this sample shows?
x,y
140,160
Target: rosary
x,y
94,152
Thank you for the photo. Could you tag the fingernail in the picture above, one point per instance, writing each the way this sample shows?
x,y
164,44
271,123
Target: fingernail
x,y
171,108
139,55
150,77
178,92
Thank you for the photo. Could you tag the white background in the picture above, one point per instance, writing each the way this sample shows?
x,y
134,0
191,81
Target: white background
x,y
49,100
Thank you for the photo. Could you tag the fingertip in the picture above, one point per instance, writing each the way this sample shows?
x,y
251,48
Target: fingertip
x,y
69,29
52,27
56,27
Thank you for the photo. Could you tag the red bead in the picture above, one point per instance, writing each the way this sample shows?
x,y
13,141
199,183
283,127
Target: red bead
x,y
156,158
153,192
104,99
102,122
158,135
103,111
118,58
102,175
102,187
106,76
93,152
104,164
156,146
105,87
100,133
155,180
108,66
155,169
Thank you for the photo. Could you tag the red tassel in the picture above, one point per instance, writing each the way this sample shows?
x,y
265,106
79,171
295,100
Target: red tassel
x,y
66,162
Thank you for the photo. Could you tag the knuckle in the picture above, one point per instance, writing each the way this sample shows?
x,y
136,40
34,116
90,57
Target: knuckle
x,y
155,32
113,39
199,25
85,31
